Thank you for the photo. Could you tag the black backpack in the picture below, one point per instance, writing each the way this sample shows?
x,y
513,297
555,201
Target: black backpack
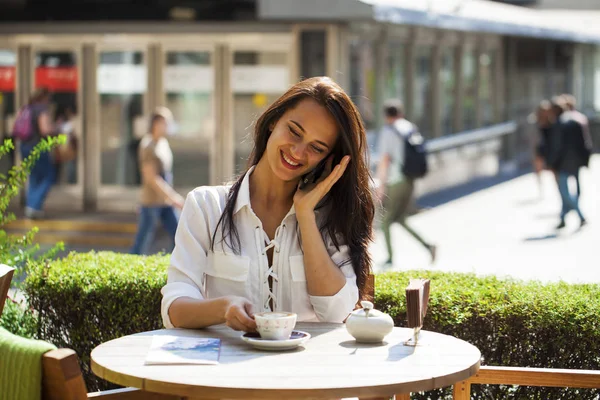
x,y
415,155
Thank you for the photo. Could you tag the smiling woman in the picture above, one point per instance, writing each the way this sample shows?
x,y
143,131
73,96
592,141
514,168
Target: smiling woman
x,y
270,243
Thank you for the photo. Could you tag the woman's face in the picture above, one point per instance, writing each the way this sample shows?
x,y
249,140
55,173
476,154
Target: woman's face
x,y
300,139
160,127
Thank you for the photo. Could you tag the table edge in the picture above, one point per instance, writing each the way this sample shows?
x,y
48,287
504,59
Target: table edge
x,y
180,389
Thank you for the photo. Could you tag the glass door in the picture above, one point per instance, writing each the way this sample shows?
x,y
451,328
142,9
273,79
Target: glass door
x,y
122,85
257,79
188,81
8,63
57,67
57,70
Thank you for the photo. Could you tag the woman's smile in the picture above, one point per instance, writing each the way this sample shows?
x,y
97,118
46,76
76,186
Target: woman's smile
x,y
289,162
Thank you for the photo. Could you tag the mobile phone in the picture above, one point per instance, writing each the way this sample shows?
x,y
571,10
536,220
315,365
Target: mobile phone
x,y
314,175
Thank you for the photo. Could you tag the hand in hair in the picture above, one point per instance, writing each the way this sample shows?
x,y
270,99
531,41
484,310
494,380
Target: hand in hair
x,y
305,200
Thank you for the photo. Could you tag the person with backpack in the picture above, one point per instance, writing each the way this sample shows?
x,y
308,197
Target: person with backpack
x,y
31,125
402,161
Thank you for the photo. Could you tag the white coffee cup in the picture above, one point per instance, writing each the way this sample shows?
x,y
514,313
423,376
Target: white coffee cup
x,y
275,325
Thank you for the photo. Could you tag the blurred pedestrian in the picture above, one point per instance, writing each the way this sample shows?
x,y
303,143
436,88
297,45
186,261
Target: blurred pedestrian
x,y
543,123
395,188
572,113
66,154
565,157
158,198
31,125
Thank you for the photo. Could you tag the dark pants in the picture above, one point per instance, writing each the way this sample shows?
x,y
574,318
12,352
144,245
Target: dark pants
x,y
398,198
147,224
569,201
578,183
41,178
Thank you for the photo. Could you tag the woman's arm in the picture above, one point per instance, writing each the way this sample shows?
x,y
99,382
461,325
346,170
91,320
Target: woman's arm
x,y
184,303
234,311
323,276
158,184
381,174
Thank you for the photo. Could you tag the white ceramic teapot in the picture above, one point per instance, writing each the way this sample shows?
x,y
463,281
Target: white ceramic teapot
x,y
368,325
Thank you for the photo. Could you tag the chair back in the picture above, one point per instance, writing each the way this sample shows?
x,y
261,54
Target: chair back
x,y
6,274
417,300
61,376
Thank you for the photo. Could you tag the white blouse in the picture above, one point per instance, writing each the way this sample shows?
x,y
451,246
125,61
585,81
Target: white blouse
x,y
200,273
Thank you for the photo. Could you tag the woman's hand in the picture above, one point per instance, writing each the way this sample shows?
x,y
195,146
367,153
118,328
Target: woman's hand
x,y
239,314
305,200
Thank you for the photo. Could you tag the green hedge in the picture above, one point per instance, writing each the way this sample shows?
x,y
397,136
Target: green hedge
x,y
86,299
17,318
513,323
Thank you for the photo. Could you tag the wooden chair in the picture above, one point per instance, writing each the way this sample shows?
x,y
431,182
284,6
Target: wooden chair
x,y
417,300
6,274
61,374
62,380
540,377
418,292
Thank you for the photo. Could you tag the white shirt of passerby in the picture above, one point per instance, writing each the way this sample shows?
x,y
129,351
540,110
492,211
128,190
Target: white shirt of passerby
x,y
199,273
390,143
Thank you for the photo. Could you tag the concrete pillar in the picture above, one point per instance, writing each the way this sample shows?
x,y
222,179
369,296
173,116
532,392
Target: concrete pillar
x,y
511,100
478,105
380,74
24,86
222,167
295,55
24,78
499,101
409,71
344,56
511,77
91,128
550,51
577,71
155,76
332,51
436,87
459,87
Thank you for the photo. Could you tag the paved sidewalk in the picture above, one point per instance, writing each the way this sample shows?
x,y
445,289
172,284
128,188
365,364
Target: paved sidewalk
x,y
506,230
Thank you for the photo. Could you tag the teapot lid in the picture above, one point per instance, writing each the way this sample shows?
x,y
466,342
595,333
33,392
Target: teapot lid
x,y
367,310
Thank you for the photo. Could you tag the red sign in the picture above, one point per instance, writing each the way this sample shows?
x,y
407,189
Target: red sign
x,y
59,79
7,79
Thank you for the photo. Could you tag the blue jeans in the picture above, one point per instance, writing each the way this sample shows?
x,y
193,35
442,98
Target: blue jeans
x,y
569,201
147,224
41,178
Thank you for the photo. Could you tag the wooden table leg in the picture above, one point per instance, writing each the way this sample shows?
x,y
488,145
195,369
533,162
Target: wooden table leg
x,y
461,391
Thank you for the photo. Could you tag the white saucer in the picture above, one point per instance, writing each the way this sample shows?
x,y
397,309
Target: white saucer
x,y
295,340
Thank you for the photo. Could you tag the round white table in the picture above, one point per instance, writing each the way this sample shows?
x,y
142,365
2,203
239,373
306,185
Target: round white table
x,y
330,365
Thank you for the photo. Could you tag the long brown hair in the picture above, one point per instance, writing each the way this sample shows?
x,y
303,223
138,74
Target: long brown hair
x,y
352,217
38,95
